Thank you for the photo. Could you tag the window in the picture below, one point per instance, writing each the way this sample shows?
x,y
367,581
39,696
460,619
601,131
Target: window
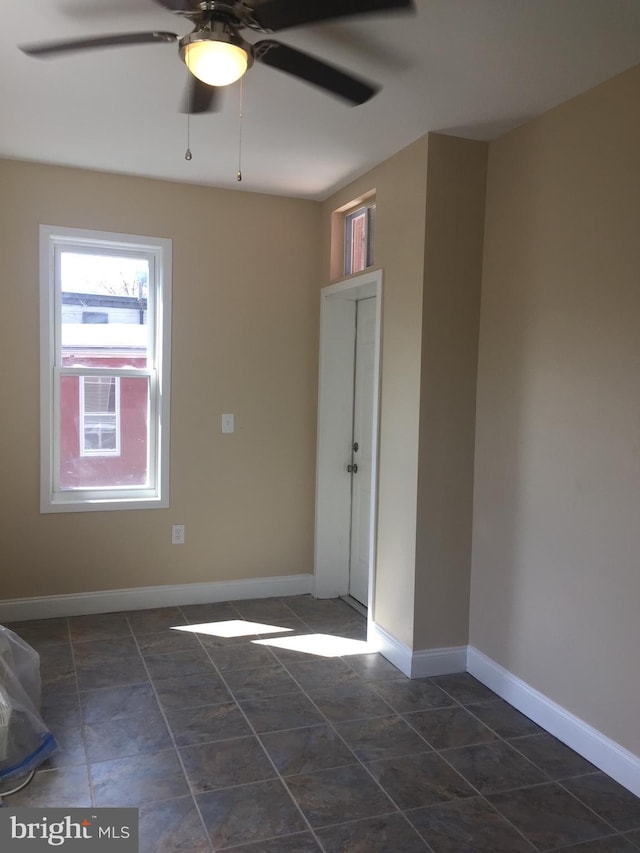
x,y
359,234
99,415
105,327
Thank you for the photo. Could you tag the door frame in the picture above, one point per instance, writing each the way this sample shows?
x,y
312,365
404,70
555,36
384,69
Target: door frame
x,y
335,413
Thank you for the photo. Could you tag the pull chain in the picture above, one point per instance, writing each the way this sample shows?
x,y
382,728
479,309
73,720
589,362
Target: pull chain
x,y
187,154
239,172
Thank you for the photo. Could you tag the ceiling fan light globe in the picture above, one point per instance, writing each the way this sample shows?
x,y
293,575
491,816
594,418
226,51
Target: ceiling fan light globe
x,y
216,63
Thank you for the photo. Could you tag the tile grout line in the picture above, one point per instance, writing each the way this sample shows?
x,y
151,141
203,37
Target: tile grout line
x,y
586,805
82,726
578,844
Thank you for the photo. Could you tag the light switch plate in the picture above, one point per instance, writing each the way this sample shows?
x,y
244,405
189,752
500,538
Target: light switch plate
x,y
228,423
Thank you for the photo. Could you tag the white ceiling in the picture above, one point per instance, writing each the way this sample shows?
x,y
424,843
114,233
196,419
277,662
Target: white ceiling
x,y
474,68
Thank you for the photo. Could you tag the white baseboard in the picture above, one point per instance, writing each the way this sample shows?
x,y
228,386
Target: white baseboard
x,y
606,754
392,649
144,598
418,664
439,661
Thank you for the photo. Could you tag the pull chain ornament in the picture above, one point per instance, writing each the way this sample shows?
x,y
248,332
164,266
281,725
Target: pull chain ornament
x,y
239,172
187,154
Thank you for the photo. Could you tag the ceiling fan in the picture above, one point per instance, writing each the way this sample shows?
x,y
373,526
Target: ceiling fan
x,y
217,55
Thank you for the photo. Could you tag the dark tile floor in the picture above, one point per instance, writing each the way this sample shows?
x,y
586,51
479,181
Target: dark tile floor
x,y
225,743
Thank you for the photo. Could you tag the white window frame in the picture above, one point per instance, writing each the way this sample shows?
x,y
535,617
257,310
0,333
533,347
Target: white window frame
x,y
155,494
101,451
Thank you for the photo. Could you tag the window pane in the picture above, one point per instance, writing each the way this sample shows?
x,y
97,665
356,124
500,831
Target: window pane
x,y
100,433
99,415
359,234
359,242
103,310
371,234
99,394
109,447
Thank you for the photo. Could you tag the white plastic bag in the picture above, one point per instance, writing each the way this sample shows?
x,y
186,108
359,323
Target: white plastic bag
x,y
25,741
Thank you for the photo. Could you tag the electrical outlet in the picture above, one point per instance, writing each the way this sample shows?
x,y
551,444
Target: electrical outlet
x,y
177,534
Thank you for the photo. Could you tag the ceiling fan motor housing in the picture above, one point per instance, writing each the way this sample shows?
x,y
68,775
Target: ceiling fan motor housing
x,y
218,31
215,52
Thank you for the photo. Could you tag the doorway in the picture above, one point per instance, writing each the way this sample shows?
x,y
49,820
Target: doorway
x,y
348,406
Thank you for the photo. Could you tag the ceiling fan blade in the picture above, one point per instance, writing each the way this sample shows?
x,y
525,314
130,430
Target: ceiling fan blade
x,y
200,97
372,47
314,71
55,47
280,14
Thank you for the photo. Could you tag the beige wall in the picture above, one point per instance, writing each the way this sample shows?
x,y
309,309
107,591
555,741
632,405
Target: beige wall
x,y
245,320
556,540
456,180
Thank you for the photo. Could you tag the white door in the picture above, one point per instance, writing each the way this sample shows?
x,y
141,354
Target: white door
x,y
345,502
361,445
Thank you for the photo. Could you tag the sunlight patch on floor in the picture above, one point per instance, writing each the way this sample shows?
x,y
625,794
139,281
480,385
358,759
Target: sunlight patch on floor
x,y
325,645
231,628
